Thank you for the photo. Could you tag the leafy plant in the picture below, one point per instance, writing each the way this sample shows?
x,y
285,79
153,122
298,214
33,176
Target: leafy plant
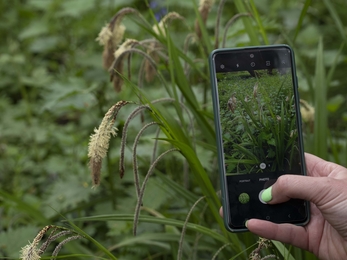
x,y
54,92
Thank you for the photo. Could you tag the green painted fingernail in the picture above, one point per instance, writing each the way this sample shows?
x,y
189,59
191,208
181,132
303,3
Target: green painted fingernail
x,y
266,196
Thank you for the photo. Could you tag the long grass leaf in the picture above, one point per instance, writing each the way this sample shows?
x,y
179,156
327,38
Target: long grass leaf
x,y
157,240
239,254
336,18
302,66
321,115
283,250
150,219
334,65
204,125
177,188
251,31
201,177
179,77
206,39
74,256
96,243
301,18
260,24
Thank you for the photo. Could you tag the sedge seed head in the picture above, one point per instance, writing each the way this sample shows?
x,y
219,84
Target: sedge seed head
x,y
117,34
104,35
204,9
164,21
110,39
98,145
205,5
307,111
127,45
30,252
100,140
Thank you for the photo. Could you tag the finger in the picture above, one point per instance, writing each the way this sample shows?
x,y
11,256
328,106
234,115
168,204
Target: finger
x,y
312,164
286,233
221,211
316,190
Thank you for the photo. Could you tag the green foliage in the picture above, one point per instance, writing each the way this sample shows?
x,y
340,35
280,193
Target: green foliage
x,y
54,92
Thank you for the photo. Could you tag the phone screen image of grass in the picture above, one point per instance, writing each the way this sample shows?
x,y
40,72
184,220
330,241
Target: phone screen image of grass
x,y
258,121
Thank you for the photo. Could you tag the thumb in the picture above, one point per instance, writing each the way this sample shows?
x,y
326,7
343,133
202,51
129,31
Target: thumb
x,y
314,189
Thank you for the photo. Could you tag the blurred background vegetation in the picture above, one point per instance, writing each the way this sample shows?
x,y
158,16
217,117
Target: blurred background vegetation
x,y
54,91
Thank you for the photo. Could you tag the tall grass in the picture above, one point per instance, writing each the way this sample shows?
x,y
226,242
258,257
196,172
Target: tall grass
x,y
176,161
171,126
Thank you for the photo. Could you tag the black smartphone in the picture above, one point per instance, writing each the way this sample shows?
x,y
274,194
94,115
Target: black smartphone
x,y
258,131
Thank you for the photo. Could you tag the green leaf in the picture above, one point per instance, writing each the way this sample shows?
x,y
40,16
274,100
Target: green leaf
x,y
301,19
259,22
178,189
336,18
163,221
205,38
283,250
95,242
321,115
250,30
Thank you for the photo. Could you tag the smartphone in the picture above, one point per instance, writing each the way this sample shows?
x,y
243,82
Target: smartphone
x,y
258,131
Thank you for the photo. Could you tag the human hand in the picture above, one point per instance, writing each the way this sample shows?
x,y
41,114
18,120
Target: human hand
x,y
326,188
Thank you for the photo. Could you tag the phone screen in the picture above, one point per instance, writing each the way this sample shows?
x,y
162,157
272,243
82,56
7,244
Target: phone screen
x,y
258,131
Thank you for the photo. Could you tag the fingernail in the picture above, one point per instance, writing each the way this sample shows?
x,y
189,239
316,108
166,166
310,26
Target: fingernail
x,y
246,223
266,196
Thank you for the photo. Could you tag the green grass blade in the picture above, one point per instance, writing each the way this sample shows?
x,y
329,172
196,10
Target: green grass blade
x,y
215,234
189,96
251,31
96,243
205,37
201,178
163,221
74,256
179,77
162,240
239,254
300,61
321,115
283,250
333,67
179,189
260,24
336,18
301,19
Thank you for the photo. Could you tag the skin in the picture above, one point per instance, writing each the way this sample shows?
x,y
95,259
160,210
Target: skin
x,y
326,188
